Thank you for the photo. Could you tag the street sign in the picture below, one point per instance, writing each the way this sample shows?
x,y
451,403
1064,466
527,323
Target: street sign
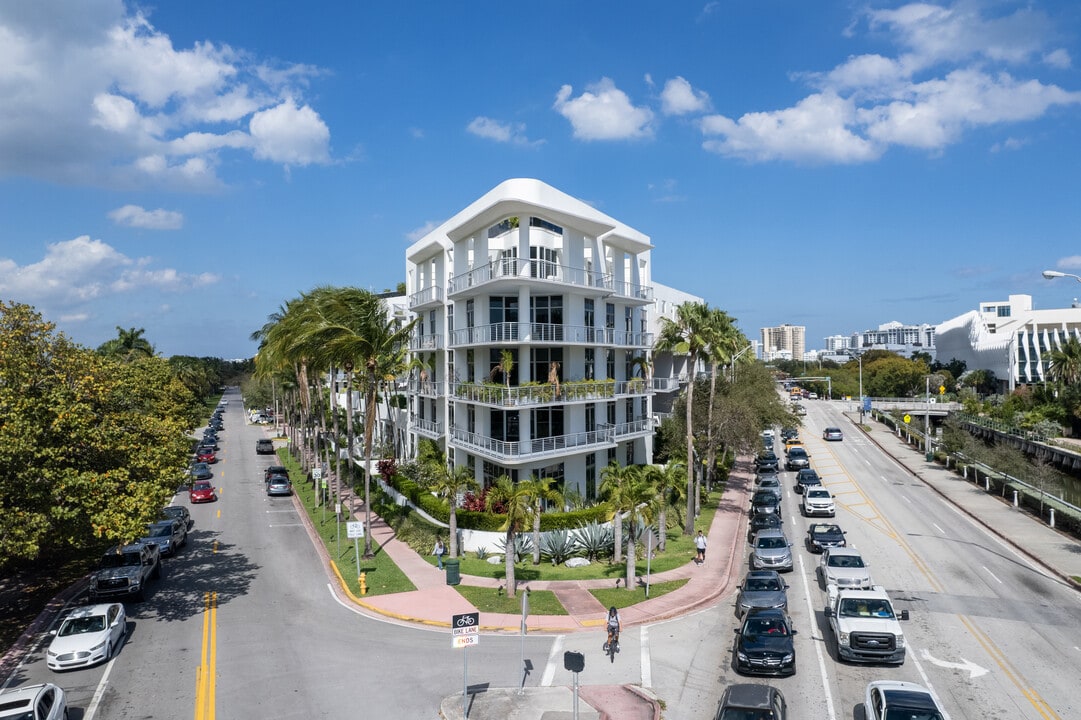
x,y
461,641
464,630
907,419
317,473
941,389
354,530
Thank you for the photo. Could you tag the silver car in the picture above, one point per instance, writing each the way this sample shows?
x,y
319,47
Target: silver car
x,y
761,589
770,550
278,485
845,568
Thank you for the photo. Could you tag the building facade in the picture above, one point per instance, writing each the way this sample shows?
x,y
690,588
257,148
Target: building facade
x,y
532,351
786,342
1009,338
896,337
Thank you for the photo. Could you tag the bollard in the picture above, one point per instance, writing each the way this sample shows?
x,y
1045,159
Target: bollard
x,y
363,579
964,472
987,483
1015,498
1052,517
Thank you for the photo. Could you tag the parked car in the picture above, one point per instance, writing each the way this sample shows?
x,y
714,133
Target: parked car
x,y
791,442
818,501
833,434
201,492
206,454
765,644
789,432
772,484
761,475
201,471
805,478
178,512
264,446
273,470
767,461
43,701
761,589
824,535
168,535
751,702
761,521
770,550
797,459
844,567
887,699
279,485
87,636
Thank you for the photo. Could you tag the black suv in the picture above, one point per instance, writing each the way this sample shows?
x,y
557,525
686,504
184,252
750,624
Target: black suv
x,y
767,461
751,702
264,446
765,502
797,459
824,535
806,478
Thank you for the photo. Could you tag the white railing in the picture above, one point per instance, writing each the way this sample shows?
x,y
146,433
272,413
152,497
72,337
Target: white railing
x,y
632,290
485,334
431,388
542,270
425,296
634,427
632,339
431,428
666,384
526,449
517,395
426,342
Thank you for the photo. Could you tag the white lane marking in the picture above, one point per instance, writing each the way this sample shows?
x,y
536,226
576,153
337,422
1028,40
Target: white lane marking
x,y
285,525
973,670
647,670
99,693
926,680
280,511
906,499
550,667
938,528
992,574
831,714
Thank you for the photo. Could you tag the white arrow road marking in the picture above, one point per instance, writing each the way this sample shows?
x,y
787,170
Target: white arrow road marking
x,y
973,670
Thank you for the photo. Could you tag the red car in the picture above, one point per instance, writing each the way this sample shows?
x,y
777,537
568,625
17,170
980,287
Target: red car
x,y
206,454
202,491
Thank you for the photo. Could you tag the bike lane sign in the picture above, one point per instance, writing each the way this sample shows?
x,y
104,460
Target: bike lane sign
x,y
465,630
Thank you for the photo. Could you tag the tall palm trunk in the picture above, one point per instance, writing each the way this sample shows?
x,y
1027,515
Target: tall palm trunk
x,y
617,536
349,430
369,428
508,563
630,555
337,430
688,526
711,452
536,532
662,525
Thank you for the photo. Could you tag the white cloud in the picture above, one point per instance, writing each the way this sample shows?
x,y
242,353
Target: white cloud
x,y
679,98
492,129
290,135
815,130
955,70
81,270
136,216
1010,143
94,94
418,233
1073,262
604,112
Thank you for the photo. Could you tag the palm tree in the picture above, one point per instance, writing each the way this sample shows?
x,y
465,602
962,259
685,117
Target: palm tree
x,y
516,501
666,481
638,495
724,339
687,335
1064,366
615,479
540,493
128,346
448,483
352,326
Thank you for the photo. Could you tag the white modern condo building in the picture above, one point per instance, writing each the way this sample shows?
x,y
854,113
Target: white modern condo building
x,y
532,348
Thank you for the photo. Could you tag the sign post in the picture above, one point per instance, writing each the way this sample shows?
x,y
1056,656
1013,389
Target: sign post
x,y
465,631
355,530
525,614
576,663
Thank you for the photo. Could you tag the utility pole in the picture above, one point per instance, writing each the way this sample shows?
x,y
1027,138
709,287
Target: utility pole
x,y
927,419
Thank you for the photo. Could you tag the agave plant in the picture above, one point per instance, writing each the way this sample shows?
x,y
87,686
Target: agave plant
x,y
558,546
523,546
481,553
594,540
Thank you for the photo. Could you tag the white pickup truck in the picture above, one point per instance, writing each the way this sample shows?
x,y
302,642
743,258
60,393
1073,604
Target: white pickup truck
x,y
865,625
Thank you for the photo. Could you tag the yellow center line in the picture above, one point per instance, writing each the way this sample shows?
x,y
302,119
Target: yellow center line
x,y
980,636
206,672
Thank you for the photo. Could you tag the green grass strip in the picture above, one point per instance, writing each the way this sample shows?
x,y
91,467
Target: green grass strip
x,y
541,602
622,597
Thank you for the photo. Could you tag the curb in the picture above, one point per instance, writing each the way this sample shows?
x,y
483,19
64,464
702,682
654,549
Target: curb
x,y
15,654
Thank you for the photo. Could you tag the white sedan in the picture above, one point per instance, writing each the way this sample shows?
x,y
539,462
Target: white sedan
x,y
888,699
87,636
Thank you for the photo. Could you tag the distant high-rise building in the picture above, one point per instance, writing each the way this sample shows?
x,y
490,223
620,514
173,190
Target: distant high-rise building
x,y
785,341
897,337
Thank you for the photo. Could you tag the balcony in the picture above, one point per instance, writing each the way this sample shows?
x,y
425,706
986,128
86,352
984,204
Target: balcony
x,y
634,428
666,384
419,343
485,334
428,296
427,428
549,333
622,338
427,388
631,291
512,271
543,393
522,451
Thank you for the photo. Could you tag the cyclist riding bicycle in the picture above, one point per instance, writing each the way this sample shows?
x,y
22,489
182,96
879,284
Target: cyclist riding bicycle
x,y
614,627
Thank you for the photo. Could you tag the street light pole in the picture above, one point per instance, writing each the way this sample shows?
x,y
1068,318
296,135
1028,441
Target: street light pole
x,y
860,359
1052,274
737,357
927,418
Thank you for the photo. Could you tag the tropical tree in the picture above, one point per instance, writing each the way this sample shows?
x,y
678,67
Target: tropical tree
x,y
449,482
667,481
638,495
1064,365
128,346
724,340
540,493
688,334
615,481
516,503
353,326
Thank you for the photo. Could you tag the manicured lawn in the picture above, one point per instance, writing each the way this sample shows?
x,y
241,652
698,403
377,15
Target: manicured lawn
x,y
382,576
622,597
541,602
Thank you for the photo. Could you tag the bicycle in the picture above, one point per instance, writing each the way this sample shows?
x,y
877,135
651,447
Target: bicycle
x,y
612,646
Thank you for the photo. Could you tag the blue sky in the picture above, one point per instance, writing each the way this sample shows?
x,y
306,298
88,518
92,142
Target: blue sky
x,y
187,167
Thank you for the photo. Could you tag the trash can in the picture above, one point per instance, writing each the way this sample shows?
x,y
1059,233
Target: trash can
x,y
930,456
454,575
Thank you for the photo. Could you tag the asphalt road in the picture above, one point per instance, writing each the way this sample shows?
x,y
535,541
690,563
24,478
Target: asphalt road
x,y
244,625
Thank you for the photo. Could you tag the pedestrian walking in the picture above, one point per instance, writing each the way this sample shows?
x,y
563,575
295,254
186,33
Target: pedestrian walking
x,y
439,551
700,545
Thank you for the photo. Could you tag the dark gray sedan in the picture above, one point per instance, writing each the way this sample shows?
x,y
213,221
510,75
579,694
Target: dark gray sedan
x,y
761,589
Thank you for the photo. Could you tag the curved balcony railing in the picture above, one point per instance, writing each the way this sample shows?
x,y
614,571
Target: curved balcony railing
x,y
427,296
543,393
486,334
518,450
541,270
428,428
426,342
